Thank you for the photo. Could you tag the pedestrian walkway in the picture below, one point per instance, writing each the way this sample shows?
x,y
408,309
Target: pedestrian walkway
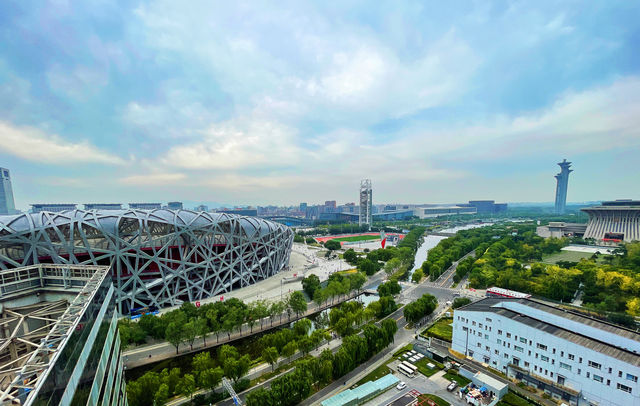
x,y
150,354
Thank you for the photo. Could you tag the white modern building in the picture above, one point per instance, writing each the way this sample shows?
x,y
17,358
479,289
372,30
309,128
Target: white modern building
x,y
573,358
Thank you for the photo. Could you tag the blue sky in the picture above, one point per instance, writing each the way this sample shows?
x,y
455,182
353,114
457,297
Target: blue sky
x,y
282,102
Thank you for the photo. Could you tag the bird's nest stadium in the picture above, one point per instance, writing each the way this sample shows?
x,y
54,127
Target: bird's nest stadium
x,y
158,257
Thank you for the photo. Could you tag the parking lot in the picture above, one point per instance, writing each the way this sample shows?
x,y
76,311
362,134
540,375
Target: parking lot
x,y
435,385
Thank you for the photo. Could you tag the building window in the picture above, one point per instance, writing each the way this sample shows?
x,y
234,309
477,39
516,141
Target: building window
x,y
508,335
588,374
542,346
499,332
624,388
609,369
470,353
519,349
465,328
529,352
580,360
554,351
523,340
536,355
508,345
479,333
506,355
486,336
526,364
619,374
632,378
544,358
479,345
562,353
486,347
597,378
608,382
473,323
500,342
579,371
565,366
594,365
489,320
480,325
571,357
496,352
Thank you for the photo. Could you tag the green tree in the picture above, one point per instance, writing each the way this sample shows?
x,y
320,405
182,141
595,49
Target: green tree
x,y
189,333
289,349
460,301
305,344
202,329
417,275
311,284
270,355
174,335
302,327
162,395
211,378
332,245
367,266
187,386
297,303
201,362
350,256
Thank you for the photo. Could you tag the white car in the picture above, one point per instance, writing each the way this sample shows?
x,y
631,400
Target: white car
x,y
401,386
452,386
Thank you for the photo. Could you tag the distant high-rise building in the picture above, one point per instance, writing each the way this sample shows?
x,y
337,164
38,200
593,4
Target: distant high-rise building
x,y
303,207
52,207
7,205
174,205
103,206
561,187
365,202
145,206
330,203
202,207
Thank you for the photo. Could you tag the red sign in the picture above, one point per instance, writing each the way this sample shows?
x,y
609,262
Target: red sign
x,y
197,304
295,274
221,298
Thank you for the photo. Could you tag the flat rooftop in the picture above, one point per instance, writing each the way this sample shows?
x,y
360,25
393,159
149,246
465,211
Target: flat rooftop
x,y
489,305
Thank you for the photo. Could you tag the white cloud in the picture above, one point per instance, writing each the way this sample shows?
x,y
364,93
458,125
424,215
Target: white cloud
x,y
239,143
153,179
78,83
35,145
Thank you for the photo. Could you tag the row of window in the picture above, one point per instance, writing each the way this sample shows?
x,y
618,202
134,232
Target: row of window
x,y
540,346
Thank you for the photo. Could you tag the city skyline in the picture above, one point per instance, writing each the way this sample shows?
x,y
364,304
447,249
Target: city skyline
x,y
117,103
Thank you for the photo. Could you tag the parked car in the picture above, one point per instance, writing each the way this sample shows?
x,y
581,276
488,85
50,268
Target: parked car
x,y
452,386
401,386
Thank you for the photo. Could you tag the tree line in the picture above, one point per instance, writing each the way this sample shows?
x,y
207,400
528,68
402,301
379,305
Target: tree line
x,y
186,324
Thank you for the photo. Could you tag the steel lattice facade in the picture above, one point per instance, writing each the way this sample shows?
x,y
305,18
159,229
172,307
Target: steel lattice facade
x,y
158,257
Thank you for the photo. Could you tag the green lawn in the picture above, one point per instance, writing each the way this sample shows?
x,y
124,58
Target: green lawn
x,y
511,399
377,373
441,329
425,370
439,401
357,238
453,376
570,256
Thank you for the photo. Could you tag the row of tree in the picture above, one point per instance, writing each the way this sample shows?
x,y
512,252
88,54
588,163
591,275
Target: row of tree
x,y
424,306
294,387
186,324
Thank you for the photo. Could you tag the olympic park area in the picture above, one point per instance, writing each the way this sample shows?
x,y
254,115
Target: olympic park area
x,y
158,257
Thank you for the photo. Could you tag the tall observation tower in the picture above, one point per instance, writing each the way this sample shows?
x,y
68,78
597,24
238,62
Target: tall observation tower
x,y
365,202
561,188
